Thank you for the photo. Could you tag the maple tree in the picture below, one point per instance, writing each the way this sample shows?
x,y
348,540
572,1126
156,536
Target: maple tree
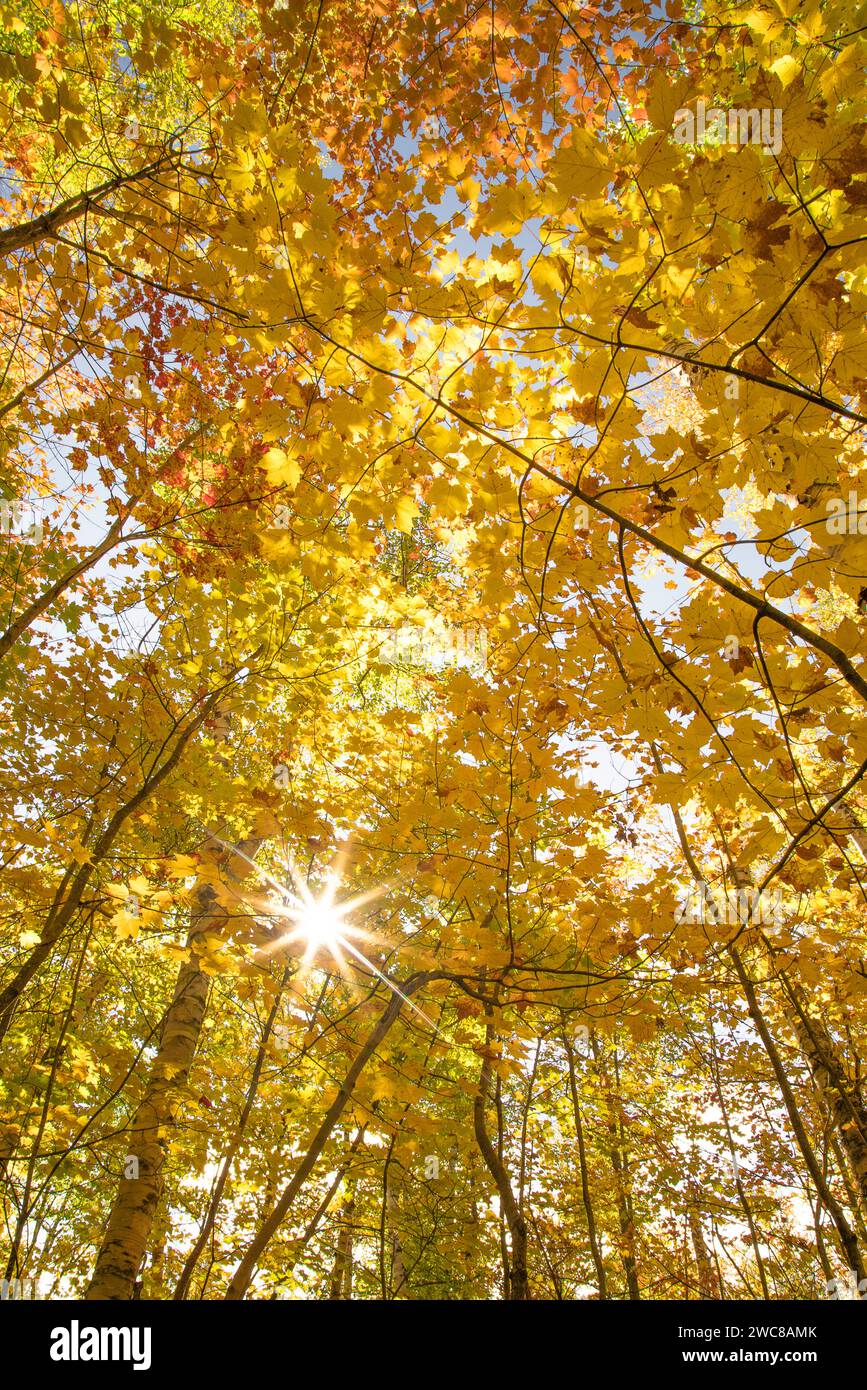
x,y
432,677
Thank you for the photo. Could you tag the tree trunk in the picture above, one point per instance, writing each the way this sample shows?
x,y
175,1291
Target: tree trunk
x,y
234,1145
341,1274
148,1140
843,1103
595,1250
739,1186
708,1286
848,1239
518,1283
71,890
622,1176
240,1280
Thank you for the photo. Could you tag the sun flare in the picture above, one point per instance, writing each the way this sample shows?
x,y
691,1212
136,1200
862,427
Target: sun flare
x,y
320,924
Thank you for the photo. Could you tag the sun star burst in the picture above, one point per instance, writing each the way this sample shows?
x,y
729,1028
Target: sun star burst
x,y
321,922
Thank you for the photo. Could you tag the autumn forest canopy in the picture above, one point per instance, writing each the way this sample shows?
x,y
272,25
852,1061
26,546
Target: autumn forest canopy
x,y
433,699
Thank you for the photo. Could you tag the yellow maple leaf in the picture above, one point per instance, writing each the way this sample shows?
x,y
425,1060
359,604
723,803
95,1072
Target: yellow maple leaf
x,y
786,68
405,512
282,470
